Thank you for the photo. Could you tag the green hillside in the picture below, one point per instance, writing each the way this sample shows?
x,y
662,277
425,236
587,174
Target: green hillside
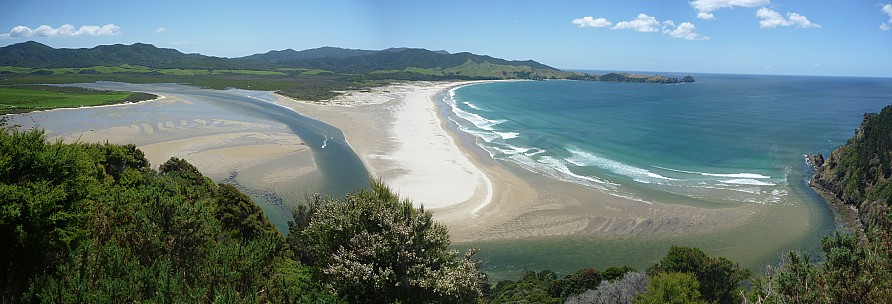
x,y
859,173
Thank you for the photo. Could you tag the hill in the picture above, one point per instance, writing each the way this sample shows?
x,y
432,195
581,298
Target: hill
x,y
315,74
859,173
36,55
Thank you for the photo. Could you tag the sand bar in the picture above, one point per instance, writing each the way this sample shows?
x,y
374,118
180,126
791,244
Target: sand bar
x,y
403,139
263,157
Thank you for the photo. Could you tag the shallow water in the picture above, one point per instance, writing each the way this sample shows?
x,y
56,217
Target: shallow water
x,y
340,169
727,140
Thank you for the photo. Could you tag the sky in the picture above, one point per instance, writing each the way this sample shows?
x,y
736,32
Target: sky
x,y
786,37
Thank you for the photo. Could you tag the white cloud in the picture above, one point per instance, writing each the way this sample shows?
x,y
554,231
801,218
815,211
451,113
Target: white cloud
x,y
66,30
588,21
706,7
771,19
643,23
685,30
887,9
884,27
161,30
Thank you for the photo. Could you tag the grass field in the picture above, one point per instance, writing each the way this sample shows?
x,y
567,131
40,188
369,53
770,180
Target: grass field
x,y
21,99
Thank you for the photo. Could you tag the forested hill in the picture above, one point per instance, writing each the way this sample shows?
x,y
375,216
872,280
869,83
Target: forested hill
x,y
859,172
361,61
33,58
35,55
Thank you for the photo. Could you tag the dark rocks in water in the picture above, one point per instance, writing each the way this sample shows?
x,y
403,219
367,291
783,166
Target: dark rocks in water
x,y
688,79
816,160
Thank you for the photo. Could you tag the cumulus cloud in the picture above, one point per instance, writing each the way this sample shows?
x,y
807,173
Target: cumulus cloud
x,y
887,9
161,30
685,30
66,30
706,7
771,19
588,21
647,24
643,23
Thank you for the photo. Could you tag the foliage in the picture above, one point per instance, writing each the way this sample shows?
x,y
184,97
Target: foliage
x,y
623,290
577,282
374,247
857,268
854,272
860,172
671,288
718,278
531,288
94,223
545,287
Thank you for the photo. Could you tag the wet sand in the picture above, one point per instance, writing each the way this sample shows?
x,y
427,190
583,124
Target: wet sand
x,y
402,138
263,157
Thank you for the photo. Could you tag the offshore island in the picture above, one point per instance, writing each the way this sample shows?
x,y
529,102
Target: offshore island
x,y
387,107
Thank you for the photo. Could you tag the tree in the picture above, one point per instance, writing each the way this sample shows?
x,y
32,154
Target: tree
x,y
239,215
718,278
532,287
576,283
375,247
671,288
623,290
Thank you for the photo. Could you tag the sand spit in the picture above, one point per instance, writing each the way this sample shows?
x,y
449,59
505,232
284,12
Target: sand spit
x,y
402,138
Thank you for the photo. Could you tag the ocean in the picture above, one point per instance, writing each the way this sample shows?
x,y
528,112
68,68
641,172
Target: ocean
x,y
723,141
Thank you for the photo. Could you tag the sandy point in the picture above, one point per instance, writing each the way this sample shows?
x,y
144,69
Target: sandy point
x,y
402,137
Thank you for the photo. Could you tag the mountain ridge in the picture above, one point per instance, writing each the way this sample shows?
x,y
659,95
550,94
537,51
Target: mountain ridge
x,y
33,54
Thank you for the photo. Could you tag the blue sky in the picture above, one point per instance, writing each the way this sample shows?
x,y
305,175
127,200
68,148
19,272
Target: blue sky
x,y
797,37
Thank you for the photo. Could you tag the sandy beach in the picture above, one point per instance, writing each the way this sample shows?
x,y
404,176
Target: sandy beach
x,y
400,134
402,138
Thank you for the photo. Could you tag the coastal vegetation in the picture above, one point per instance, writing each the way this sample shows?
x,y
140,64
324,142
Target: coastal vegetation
x,y
859,173
315,74
94,223
27,98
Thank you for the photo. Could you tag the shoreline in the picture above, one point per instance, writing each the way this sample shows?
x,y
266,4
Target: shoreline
x,y
265,157
845,214
384,126
402,137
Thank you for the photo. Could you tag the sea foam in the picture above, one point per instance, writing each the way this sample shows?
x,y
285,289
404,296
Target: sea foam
x,y
586,159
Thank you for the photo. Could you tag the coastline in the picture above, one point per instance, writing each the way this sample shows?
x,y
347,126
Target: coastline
x,y
402,138
845,214
265,158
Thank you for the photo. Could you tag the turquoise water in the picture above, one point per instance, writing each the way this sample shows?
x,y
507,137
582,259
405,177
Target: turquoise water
x,y
726,138
724,141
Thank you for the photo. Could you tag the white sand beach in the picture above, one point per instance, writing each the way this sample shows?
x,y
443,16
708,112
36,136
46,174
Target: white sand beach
x,y
401,138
